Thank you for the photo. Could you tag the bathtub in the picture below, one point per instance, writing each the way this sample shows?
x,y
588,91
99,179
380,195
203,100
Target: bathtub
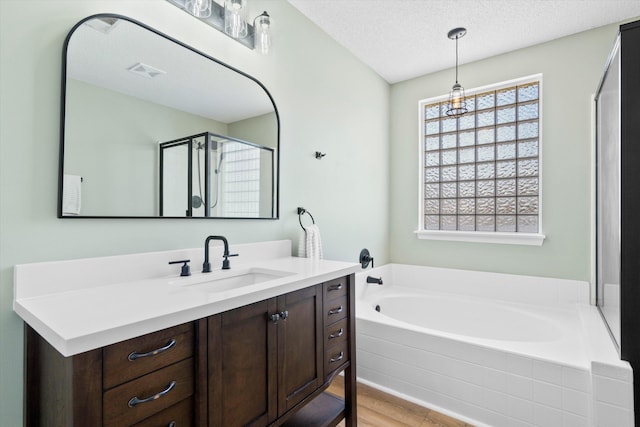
x,y
491,349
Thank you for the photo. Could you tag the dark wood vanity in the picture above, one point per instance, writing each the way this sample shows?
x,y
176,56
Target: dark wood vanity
x,y
263,364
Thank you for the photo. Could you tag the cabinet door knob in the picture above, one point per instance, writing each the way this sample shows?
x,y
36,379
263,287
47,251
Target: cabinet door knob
x,y
337,357
136,401
337,334
284,314
275,317
135,355
336,310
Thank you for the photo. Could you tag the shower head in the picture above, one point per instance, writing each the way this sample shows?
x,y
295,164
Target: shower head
x,y
219,162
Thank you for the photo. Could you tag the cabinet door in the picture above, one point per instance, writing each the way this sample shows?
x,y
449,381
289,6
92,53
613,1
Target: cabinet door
x,y
242,366
300,346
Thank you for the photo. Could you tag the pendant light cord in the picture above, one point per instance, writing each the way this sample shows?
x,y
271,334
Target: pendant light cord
x,y
457,59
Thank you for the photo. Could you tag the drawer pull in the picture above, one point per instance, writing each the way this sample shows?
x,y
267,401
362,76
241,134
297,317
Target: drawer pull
x,y
337,334
336,310
135,355
337,357
136,401
172,424
335,287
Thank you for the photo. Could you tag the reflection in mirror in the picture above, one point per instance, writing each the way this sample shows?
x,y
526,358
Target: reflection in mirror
x,y
130,95
216,176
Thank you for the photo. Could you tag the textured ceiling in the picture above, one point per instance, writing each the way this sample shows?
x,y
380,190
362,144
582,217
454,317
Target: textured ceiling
x,y
402,39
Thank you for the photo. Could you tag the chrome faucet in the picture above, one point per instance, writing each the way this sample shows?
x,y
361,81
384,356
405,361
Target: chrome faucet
x,y
206,266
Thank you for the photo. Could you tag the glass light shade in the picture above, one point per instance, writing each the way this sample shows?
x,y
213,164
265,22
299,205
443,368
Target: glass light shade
x,y
198,8
457,105
235,18
262,33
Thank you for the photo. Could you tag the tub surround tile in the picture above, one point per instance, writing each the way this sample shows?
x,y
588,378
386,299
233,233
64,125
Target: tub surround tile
x,y
520,386
571,420
521,409
495,401
495,380
576,379
520,365
610,415
575,402
500,387
622,373
613,392
545,416
547,394
547,372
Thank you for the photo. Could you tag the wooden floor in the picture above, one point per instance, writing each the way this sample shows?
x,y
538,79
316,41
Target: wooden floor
x,y
378,409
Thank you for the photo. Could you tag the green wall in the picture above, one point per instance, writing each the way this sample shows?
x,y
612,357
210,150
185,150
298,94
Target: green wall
x,y
327,100
571,68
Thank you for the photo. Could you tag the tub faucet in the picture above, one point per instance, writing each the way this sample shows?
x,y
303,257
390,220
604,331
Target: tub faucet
x,y
377,280
206,266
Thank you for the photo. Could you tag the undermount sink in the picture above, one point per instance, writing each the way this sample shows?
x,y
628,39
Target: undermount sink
x,y
223,280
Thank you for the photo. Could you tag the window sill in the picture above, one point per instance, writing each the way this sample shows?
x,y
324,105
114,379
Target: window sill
x,y
529,239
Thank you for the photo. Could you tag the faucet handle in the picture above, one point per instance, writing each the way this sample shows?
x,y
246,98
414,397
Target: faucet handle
x,y
225,262
185,270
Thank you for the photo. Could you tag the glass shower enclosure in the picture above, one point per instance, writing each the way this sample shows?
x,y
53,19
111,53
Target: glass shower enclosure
x,y
211,175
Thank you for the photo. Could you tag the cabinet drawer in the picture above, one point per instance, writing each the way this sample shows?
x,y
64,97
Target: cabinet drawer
x,y
138,399
130,359
335,310
181,415
335,288
335,357
336,333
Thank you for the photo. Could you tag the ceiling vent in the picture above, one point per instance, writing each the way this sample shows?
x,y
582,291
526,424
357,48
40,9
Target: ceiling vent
x,y
145,70
104,25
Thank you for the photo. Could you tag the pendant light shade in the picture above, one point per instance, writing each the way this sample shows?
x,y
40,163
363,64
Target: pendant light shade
x,y
457,105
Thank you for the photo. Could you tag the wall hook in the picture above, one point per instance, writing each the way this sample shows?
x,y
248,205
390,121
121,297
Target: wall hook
x,y
320,155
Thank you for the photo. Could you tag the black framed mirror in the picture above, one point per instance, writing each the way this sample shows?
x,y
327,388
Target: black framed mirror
x,y
128,92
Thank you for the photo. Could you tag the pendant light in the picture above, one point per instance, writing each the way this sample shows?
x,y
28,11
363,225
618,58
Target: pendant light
x,y
457,105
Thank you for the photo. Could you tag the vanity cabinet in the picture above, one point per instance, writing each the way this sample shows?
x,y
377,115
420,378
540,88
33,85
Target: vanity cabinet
x,y
263,364
148,380
265,358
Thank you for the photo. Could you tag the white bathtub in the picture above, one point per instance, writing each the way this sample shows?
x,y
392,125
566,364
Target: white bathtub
x,y
491,349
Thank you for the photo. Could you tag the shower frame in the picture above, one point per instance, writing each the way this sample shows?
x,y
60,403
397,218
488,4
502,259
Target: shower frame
x,y
191,142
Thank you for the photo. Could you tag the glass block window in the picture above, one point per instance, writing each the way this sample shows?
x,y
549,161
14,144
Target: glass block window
x,y
240,189
481,171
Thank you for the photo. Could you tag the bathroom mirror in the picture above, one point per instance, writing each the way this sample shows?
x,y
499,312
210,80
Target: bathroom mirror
x,y
127,89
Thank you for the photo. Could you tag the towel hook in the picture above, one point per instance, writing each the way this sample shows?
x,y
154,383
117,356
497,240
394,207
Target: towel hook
x,y
302,211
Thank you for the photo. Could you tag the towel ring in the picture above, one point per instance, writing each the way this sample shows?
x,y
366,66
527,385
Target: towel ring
x,y
302,211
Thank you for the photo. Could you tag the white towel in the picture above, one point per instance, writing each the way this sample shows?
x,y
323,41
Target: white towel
x,y
71,194
310,244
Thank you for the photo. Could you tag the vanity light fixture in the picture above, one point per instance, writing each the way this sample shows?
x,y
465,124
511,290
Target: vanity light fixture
x,y
262,32
230,17
235,18
198,8
457,105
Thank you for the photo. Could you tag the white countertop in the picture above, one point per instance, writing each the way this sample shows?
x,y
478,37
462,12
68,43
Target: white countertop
x,y
81,318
